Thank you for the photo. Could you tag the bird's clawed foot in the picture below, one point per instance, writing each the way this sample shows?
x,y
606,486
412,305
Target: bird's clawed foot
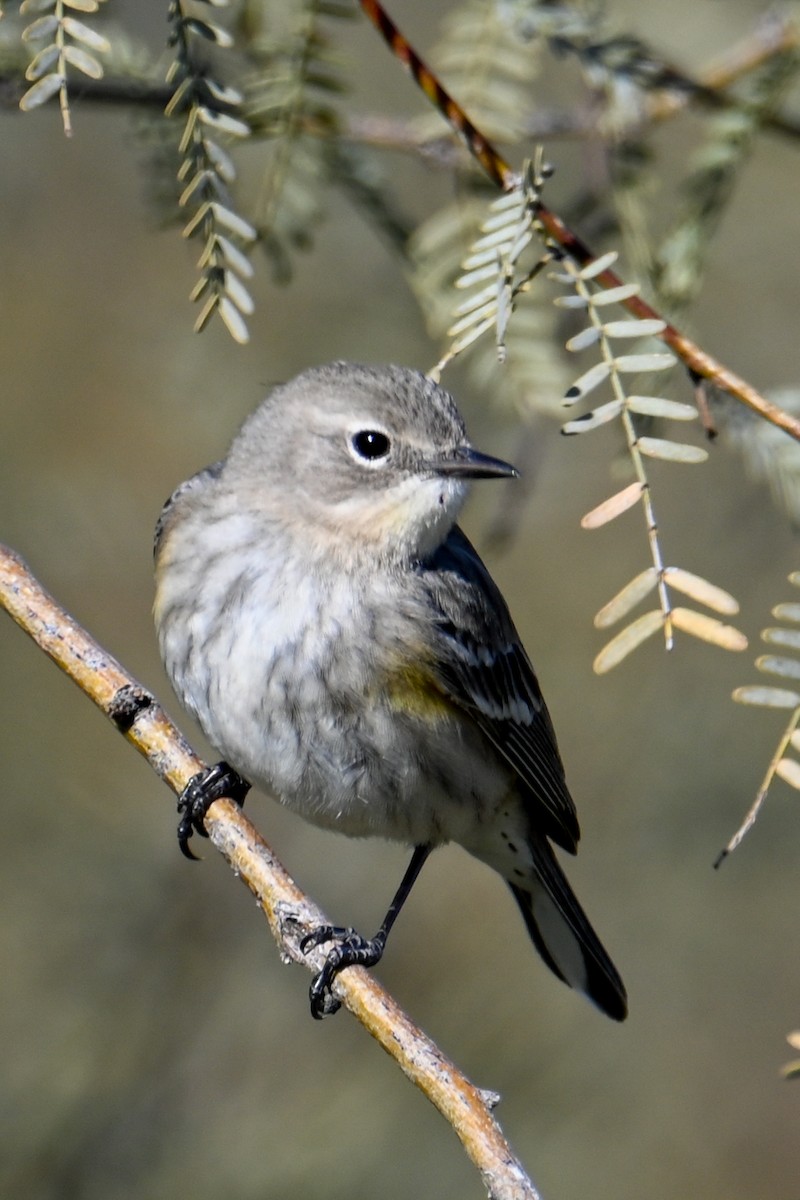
x,y
200,793
351,949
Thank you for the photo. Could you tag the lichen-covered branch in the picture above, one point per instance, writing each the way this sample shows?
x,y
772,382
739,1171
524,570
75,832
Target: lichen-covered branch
x,y
289,911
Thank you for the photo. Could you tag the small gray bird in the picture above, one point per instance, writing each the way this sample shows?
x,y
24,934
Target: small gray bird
x,y
341,643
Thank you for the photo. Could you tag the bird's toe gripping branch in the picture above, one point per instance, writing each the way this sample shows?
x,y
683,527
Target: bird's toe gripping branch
x,y
201,791
351,949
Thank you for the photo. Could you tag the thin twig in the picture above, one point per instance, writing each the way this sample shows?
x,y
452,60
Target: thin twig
x,y
289,911
696,360
753,811
775,34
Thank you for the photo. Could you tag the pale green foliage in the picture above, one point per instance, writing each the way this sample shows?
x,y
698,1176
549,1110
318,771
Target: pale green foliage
x,y
468,271
792,1069
679,264
615,63
487,68
614,369
208,109
497,292
786,666
291,82
768,454
495,283
476,273
62,42
466,264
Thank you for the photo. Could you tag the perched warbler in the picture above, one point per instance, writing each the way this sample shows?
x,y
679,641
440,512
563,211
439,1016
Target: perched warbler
x,y
343,646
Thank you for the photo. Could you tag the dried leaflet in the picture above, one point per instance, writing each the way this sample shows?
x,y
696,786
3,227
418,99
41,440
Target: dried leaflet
x,y
672,451
782,637
627,641
766,697
619,503
708,629
789,771
626,599
775,665
701,590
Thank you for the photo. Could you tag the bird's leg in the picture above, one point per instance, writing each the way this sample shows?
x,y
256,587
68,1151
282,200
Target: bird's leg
x,y
351,949
200,793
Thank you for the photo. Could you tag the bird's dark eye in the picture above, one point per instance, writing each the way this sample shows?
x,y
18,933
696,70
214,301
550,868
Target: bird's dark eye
x,y
370,444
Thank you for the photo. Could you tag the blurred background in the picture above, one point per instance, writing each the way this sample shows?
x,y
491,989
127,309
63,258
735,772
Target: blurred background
x,y
153,1043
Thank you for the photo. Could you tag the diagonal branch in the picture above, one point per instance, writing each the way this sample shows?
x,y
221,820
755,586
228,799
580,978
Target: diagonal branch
x,y
289,911
699,363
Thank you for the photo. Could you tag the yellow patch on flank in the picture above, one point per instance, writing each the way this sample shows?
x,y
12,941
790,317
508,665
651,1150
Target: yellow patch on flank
x,y
413,690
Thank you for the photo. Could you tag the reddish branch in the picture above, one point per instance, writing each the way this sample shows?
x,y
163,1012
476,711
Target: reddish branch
x,y
698,362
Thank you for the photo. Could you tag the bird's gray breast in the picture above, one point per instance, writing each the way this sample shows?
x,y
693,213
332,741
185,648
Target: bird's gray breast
x,y
311,687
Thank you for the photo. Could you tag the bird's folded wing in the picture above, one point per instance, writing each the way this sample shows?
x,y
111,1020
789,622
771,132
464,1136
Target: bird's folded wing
x,y
482,666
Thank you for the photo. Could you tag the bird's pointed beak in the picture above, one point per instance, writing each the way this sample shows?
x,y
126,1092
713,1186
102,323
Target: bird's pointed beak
x,y
466,463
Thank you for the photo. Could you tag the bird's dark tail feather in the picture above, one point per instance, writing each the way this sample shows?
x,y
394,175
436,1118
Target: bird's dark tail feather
x,y
563,936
